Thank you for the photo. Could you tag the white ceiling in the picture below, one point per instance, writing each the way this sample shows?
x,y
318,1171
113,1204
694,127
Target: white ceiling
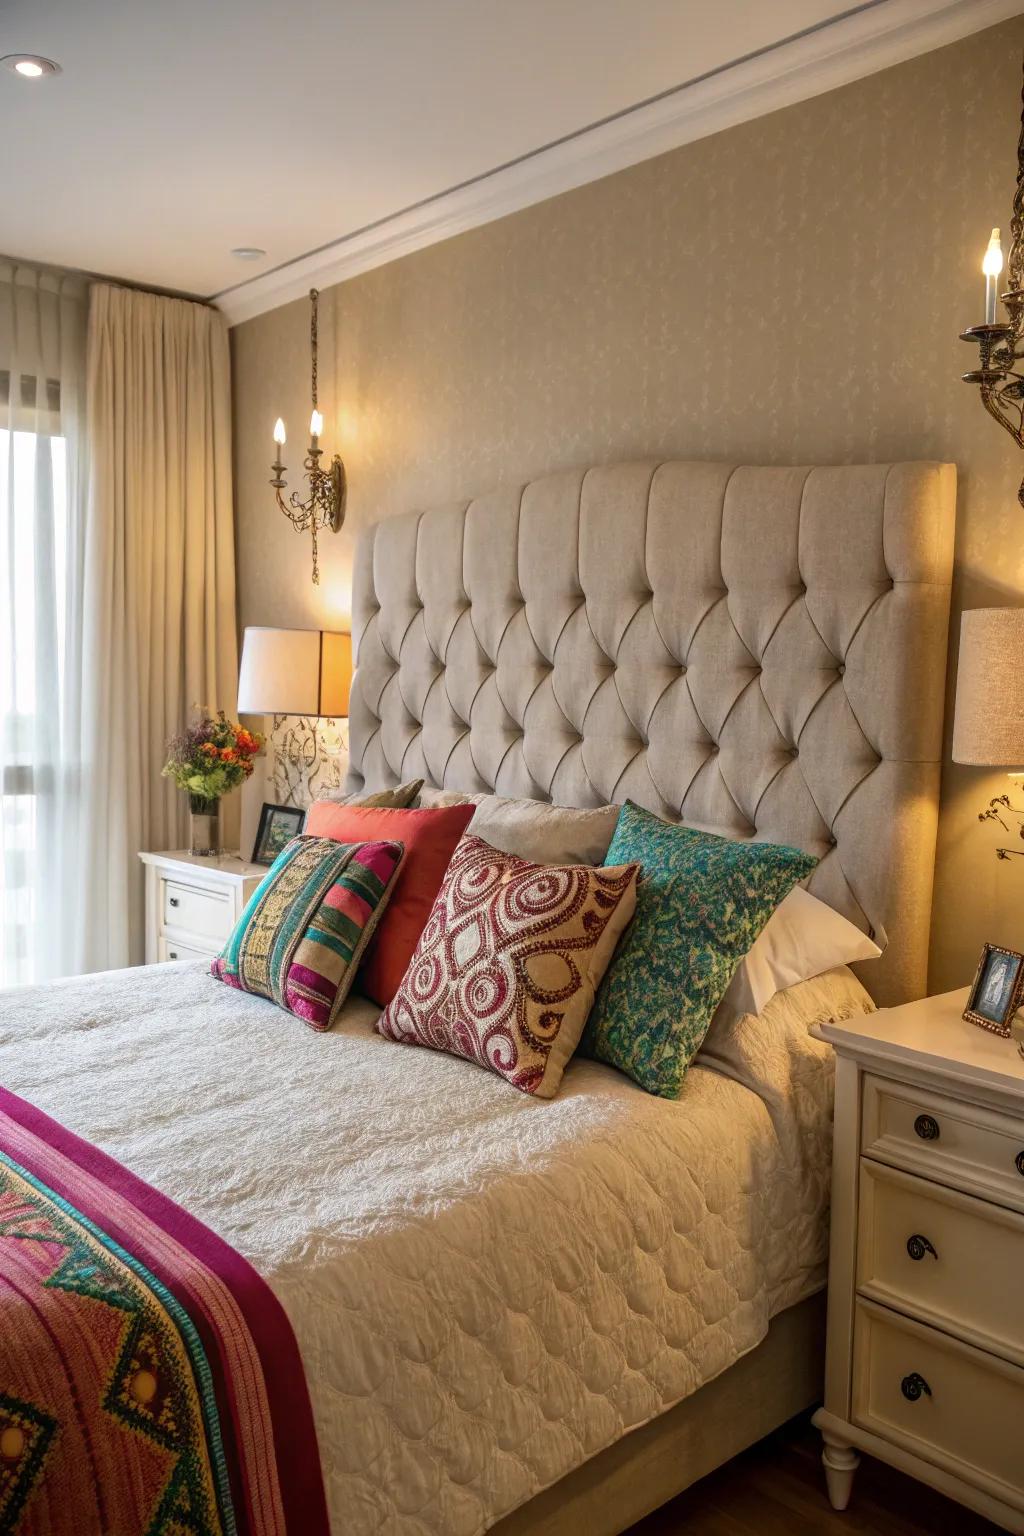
x,y
181,128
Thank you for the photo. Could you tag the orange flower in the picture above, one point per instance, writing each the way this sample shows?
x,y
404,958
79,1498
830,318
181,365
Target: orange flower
x,y
209,749
228,754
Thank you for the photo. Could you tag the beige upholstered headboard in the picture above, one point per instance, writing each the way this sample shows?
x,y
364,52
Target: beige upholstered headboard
x,y
758,652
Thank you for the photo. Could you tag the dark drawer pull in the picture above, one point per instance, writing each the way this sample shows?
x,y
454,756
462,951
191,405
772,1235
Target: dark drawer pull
x,y
1019,1161
918,1246
173,901
172,954
912,1387
927,1127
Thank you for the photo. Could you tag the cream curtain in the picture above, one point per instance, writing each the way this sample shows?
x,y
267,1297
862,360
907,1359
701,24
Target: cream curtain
x,y
158,590
42,377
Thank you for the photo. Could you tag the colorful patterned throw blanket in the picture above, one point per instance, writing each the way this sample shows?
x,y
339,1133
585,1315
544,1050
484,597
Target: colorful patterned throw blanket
x,y
150,1383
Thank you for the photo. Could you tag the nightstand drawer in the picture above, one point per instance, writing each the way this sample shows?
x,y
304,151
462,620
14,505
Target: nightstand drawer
x,y
193,909
918,1250
978,1150
939,1399
170,949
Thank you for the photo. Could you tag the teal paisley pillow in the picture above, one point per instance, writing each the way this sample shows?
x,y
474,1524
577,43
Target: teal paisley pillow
x,y
701,903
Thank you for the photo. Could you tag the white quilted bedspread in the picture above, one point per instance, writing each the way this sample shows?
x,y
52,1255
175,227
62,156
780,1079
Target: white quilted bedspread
x,y
486,1290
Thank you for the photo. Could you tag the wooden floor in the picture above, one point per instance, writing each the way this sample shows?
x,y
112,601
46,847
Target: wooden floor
x,y
777,1488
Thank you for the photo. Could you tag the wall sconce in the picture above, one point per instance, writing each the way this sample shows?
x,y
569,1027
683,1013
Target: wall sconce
x,y
324,506
1001,346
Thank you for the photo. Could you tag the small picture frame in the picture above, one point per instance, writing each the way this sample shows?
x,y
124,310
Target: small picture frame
x,y
997,991
278,825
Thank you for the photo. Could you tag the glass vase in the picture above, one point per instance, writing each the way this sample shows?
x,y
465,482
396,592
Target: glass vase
x,y
204,827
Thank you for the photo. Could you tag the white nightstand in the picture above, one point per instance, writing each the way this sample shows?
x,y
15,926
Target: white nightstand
x,y
925,1362
193,903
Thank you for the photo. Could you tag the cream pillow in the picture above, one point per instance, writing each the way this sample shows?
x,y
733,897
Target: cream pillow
x,y
776,1057
802,938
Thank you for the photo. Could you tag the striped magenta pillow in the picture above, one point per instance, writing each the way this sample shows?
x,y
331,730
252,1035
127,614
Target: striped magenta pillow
x,y
305,927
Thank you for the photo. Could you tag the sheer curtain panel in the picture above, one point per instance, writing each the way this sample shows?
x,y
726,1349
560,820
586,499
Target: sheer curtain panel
x,y
42,371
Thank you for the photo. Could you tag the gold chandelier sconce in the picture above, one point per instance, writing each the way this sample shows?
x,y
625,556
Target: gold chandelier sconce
x,y
324,505
1000,378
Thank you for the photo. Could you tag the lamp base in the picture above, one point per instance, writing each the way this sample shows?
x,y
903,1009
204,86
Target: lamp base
x,y
307,757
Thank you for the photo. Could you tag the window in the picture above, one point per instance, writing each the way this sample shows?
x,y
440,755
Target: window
x,y
33,556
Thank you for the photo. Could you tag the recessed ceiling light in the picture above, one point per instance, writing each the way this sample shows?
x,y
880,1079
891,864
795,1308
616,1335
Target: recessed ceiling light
x,y
248,252
30,66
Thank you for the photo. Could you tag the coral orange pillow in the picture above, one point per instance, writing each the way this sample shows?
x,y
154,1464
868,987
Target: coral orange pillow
x,y
430,837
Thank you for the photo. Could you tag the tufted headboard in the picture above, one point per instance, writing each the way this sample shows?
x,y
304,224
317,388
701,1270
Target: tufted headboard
x,y
758,652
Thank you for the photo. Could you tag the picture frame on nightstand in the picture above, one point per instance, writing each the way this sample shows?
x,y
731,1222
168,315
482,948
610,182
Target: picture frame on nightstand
x,y
997,990
278,825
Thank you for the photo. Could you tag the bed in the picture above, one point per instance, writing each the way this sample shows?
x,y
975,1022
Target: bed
x,y
533,1316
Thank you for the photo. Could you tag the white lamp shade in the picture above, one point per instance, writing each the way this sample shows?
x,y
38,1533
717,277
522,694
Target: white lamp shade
x,y
295,672
988,724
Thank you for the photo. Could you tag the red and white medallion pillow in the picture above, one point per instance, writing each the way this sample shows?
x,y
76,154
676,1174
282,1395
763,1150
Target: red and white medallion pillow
x,y
507,966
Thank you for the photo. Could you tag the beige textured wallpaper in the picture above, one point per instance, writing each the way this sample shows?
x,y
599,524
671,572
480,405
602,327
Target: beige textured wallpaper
x,y
789,291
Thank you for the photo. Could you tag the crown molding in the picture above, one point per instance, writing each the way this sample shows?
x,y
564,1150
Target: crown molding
x,y
854,45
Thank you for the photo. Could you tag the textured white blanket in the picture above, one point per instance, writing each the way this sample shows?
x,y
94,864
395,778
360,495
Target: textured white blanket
x,y
486,1290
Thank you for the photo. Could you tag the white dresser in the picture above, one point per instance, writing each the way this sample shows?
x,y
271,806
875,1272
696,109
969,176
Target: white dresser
x,y
925,1362
192,903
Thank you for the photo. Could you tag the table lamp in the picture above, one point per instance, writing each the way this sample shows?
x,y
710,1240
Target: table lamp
x,y
988,722
300,676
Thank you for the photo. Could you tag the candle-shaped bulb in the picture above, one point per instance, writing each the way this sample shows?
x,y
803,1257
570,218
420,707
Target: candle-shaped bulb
x,y
316,424
279,434
992,265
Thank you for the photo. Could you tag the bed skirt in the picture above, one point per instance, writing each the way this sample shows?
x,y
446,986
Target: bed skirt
x,y
149,1379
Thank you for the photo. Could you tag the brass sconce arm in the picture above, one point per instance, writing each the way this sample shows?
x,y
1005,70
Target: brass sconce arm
x,y
1000,377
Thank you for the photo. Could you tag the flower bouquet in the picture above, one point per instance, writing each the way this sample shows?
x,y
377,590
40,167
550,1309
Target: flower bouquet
x,y
206,760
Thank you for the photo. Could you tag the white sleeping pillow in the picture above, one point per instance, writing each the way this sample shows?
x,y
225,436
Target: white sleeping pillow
x,y
802,938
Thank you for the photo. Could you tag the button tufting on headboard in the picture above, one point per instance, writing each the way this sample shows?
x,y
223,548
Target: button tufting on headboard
x,y
698,672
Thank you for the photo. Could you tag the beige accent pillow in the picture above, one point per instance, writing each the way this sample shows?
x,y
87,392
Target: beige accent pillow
x,y
434,799
397,799
545,834
533,829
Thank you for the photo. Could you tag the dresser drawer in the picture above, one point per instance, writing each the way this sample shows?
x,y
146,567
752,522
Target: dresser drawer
x,y
170,949
206,913
978,1150
918,1250
939,1399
